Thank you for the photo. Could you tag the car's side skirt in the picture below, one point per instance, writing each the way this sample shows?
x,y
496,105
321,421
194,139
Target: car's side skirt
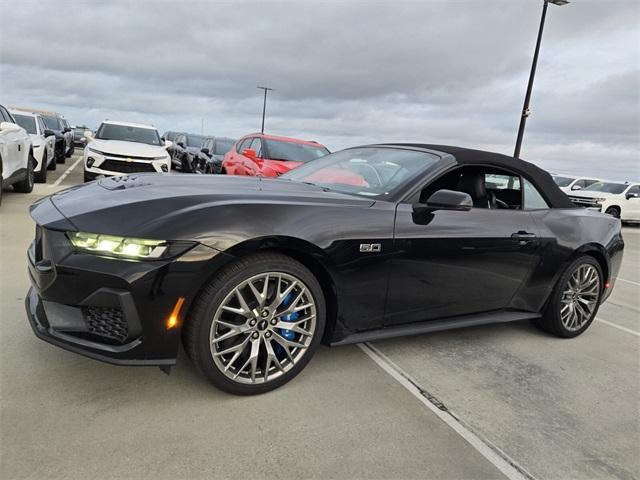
x,y
436,326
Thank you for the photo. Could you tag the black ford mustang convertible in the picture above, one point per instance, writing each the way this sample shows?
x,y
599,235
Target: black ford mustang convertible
x,y
367,243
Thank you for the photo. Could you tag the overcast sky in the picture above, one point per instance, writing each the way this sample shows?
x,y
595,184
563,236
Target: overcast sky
x,y
344,73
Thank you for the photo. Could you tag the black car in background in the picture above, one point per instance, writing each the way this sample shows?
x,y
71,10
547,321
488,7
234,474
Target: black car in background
x,y
172,137
78,136
367,243
68,137
185,149
209,158
54,122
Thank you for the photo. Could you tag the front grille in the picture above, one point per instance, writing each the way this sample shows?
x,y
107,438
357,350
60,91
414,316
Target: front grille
x,y
125,167
584,201
106,322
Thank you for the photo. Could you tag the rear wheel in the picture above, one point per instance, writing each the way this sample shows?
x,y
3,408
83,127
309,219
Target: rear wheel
x,y
257,324
575,299
26,185
41,176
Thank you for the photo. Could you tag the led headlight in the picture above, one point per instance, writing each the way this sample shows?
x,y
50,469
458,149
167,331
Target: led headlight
x,y
599,200
124,247
96,151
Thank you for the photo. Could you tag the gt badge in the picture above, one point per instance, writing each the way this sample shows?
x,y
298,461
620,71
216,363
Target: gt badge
x,y
370,247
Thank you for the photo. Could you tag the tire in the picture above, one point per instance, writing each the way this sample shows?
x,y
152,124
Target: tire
x,y
41,176
73,150
54,164
1,170
613,211
26,185
566,305
204,324
87,178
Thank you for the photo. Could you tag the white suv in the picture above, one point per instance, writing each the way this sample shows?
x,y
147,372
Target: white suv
x,y
570,184
43,144
622,200
119,148
16,155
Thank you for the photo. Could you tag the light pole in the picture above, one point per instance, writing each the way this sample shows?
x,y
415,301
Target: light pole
x,y
264,105
527,98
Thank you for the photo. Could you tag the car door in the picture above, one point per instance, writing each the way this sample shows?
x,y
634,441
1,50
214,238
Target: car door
x,y
631,209
461,262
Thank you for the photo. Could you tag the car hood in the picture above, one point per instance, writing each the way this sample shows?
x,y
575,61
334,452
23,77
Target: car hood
x,y
134,149
142,205
591,194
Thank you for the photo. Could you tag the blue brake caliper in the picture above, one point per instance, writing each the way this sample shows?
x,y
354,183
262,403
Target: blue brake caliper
x,y
290,317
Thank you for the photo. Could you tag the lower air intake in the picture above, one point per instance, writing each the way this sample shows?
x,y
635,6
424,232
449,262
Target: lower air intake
x,y
107,322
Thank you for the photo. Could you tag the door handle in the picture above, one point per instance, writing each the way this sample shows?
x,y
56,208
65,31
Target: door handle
x,y
523,237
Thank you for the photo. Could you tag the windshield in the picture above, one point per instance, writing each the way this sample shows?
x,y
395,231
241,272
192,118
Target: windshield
x,y
109,131
195,141
223,146
51,122
26,122
366,171
563,181
295,152
607,187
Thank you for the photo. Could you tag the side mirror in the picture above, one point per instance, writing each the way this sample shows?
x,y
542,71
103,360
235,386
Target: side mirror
x,y
9,127
631,195
48,133
180,144
250,153
205,150
66,130
168,144
449,200
576,187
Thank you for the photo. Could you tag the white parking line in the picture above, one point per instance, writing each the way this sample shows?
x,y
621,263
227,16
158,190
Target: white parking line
x,y
65,174
619,327
488,450
627,281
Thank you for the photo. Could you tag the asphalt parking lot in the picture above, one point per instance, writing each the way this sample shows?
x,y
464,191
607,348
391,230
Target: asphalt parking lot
x,y
488,402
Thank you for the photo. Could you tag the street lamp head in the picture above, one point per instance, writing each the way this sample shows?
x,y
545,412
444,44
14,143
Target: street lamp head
x,y
559,2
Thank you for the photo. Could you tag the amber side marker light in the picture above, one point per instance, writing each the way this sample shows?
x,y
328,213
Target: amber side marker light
x,y
172,321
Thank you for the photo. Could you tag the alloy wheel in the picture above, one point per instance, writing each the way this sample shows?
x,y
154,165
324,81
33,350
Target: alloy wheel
x,y
580,297
263,328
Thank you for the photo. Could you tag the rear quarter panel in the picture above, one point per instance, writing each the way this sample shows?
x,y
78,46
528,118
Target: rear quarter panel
x,y
565,234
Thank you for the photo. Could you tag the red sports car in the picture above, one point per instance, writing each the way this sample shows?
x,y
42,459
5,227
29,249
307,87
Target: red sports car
x,y
263,155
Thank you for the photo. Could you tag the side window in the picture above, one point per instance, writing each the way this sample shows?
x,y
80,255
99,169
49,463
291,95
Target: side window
x,y
243,145
504,190
182,139
4,115
256,145
532,198
635,190
41,125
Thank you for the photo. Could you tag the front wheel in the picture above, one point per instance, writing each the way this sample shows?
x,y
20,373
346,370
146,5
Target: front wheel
x,y
613,211
41,176
257,324
26,185
575,300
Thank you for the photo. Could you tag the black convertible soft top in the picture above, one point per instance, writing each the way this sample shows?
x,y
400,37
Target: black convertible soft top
x,y
539,177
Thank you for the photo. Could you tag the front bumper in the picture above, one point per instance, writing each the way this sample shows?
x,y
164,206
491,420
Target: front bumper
x,y
108,309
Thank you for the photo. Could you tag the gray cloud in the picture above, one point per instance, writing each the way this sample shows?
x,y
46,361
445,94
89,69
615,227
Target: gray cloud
x,y
344,72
